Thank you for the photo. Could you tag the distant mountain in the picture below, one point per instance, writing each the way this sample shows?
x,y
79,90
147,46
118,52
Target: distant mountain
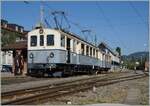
x,y
136,56
139,54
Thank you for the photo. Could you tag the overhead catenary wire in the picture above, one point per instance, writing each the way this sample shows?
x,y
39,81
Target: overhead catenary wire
x,y
109,23
67,20
138,13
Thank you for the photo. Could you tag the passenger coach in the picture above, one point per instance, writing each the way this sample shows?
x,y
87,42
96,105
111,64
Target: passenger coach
x,y
52,51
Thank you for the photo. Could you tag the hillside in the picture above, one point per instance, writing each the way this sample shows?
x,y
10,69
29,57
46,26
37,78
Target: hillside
x,y
136,56
130,60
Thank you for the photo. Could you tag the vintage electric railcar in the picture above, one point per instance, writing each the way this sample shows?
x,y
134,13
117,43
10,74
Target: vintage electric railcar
x,y
51,51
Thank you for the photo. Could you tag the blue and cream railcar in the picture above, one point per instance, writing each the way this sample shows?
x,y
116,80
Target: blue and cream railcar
x,y
51,50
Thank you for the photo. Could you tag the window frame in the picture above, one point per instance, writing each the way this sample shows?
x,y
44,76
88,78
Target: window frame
x,y
97,54
43,40
87,50
82,48
51,44
91,51
61,44
74,45
33,42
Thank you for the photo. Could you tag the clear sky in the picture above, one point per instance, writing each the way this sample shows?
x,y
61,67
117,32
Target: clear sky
x,y
123,24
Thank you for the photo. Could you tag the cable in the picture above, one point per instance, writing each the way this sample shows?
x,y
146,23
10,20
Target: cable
x,y
137,13
109,23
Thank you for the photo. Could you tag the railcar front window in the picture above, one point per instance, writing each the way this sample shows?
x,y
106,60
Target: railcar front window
x,y
50,40
33,40
41,40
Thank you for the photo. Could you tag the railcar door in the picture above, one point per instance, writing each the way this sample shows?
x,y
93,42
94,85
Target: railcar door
x,y
68,50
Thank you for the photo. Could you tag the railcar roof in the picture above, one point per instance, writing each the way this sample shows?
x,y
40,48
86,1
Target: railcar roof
x,y
77,36
72,34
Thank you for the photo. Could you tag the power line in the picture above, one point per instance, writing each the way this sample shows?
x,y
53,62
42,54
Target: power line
x,y
137,13
109,23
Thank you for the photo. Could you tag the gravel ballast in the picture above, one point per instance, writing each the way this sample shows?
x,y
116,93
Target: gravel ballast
x,y
118,93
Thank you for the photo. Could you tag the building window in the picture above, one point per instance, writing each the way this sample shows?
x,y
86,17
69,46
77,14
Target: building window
x,y
50,40
21,30
33,40
5,25
16,28
41,40
62,41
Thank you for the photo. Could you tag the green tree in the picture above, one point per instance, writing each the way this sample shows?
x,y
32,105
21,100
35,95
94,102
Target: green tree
x,y
8,37
118,49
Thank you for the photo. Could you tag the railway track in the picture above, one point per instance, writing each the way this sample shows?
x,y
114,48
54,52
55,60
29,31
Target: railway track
x,y
36,89
41,94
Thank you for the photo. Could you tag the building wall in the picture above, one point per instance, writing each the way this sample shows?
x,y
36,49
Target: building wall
x,y
7,57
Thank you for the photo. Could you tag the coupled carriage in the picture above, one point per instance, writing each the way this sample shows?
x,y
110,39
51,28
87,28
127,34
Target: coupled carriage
x,y
56,51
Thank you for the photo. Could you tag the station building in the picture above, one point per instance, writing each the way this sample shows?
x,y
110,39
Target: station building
x,y
14,38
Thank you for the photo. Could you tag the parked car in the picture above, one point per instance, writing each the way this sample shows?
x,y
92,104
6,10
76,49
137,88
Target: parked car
x,y
6,68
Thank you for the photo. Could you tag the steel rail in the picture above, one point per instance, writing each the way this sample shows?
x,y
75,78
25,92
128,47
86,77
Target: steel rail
x,y
70,89
36,89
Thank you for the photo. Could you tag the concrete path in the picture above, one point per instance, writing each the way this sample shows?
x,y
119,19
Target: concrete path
x,y
132,97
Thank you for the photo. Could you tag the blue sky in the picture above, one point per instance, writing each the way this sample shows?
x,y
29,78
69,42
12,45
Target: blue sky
x,y
117,23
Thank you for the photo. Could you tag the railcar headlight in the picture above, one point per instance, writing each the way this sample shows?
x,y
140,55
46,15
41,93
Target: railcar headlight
x,y
31,55
51,55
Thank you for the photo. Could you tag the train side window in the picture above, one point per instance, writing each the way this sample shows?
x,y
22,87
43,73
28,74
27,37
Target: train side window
x,y
41,40
96,53
82,49
62,40
50,40
74,45
87,50
33,41
93,52
90,51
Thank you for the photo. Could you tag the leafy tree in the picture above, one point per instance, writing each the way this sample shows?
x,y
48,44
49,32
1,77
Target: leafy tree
x,y
118,49
8,37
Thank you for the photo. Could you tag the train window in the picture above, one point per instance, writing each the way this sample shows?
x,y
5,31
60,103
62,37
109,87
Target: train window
x,y
33,41
82,49
41,40
93,52
50,40
96,53
90,51
62,40
87,50
74,45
